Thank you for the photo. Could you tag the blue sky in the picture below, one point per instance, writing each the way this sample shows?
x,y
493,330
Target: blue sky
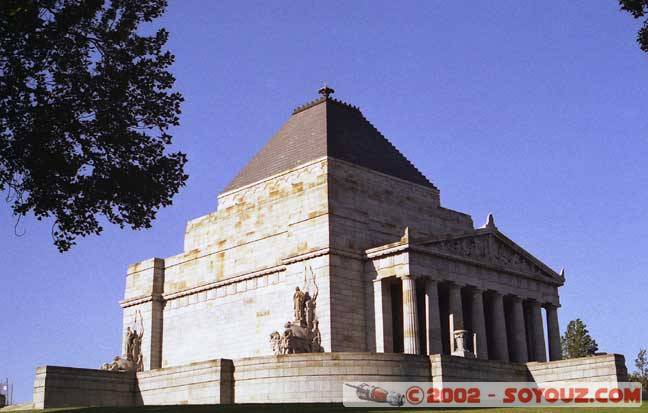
x,y
529,110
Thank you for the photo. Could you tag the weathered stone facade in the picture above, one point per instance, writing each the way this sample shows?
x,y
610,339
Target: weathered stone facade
x,y
361,231
329,206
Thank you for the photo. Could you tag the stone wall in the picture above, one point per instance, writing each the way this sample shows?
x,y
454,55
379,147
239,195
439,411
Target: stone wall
x,y
368,208
349,286
208,382
264,209
311,378
234,283
296,378
69,387
235,320
446,368
607,367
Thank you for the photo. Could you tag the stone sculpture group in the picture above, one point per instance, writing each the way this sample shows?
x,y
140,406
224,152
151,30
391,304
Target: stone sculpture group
x,y
132,360
302,335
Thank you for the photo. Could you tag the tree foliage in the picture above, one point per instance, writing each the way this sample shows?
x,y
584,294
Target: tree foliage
x,y
638,9
577,342
641,373
86,103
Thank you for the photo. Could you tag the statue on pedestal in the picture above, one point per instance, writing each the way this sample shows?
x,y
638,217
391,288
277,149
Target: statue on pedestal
x,y
302,335
132,359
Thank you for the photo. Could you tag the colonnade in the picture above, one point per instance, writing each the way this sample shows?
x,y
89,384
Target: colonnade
x,y
505,327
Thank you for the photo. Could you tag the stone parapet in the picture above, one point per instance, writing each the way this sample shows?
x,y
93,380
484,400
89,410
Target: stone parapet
x,y
606,367
445,368
312,378
209,382
68,387
296,378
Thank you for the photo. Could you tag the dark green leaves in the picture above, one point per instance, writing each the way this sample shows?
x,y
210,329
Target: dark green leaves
x,y
638,8
577,341
85,109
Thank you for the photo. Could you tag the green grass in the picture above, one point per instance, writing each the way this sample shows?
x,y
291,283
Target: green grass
x,y
316,408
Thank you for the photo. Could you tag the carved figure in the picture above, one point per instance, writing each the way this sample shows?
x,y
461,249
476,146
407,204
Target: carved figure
x,y
275,342
301,335
294,342
310,313
132,359
311,305
130,341
481,247
298,301
316,345
136,350
120,364
498,253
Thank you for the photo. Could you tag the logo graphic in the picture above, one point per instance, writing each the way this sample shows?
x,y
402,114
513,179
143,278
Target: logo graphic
x,y
377,394
492,394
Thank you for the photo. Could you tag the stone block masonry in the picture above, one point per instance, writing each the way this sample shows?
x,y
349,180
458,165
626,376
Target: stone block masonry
x,y
603,368
445,368
295,378
69,387
310,378
209,382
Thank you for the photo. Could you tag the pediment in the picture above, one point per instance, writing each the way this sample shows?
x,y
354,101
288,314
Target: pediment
x,y
493,248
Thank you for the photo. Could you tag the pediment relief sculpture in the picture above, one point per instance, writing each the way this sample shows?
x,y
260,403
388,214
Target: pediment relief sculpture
x,y
488,248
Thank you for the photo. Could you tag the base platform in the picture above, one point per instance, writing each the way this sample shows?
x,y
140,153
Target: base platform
x,y
295,378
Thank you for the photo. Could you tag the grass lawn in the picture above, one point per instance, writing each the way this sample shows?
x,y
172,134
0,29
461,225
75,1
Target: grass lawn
x,y
316,408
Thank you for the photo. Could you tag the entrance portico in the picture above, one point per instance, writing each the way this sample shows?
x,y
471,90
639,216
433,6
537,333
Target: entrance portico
x,y
500,308
490,320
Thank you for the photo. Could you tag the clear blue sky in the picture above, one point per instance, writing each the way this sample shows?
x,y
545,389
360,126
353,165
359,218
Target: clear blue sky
x,y
532,110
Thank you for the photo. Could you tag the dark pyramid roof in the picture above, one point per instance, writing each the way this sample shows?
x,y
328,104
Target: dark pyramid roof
x,y
327,127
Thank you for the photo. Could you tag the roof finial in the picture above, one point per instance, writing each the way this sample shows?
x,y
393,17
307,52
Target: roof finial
x,y
325,91
490,222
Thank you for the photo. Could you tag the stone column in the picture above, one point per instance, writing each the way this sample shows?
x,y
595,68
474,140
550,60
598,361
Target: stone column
x,y
455,311
432,318
383,316
410,317
539,350
553,332
499,349
479,323
518,336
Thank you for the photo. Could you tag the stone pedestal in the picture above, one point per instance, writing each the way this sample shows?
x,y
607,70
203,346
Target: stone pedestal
x,y
462,340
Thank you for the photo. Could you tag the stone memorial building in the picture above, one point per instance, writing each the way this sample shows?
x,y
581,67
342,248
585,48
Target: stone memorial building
x,y
329,258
